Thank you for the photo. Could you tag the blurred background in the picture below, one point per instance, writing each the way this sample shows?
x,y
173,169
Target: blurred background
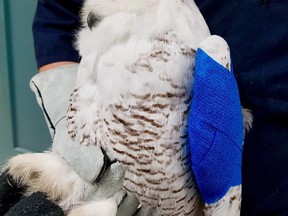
x,y
22,125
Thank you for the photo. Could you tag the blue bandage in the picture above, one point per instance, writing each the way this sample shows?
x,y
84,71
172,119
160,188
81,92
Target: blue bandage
x,y
215,129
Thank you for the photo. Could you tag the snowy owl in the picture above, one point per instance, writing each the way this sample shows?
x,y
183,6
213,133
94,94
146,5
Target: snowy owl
x,y
133,93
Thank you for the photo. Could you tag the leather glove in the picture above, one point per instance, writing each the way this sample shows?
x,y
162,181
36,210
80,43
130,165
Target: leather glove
x,y
52,89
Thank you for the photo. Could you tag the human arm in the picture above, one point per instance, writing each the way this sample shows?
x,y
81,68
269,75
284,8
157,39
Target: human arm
x,y
54,25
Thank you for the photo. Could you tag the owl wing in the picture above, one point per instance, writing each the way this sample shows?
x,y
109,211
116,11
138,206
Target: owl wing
x,y
151,74
133,101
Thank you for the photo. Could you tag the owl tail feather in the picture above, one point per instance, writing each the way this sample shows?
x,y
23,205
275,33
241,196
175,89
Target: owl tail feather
x,y
215,128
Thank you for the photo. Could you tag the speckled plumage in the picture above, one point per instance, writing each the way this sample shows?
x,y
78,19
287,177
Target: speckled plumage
x,y
133,93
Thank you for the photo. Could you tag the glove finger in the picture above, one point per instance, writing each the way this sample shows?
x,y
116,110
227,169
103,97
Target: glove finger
x,y
129,205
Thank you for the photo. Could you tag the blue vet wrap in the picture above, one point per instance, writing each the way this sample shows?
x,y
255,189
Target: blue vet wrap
x,y
215,129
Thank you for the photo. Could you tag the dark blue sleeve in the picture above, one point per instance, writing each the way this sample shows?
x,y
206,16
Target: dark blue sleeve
x,y
54,26
257,32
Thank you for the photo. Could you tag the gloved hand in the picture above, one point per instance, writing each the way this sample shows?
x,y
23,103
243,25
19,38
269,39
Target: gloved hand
x,y
70,173
52,89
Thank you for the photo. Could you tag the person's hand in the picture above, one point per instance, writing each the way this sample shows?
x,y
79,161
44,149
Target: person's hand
x,y
89,162
70,173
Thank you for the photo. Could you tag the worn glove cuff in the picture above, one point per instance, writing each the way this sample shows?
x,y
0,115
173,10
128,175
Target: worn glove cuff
x,y
52,89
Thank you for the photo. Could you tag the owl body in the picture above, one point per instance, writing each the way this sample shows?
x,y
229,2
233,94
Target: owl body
x,y
133,92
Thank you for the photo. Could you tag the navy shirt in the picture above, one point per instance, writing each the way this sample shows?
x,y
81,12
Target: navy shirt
x,y
54,27
257,33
